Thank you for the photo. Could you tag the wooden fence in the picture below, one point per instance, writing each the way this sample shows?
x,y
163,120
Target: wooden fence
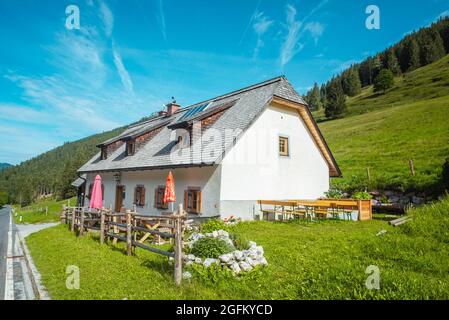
x,y
128,226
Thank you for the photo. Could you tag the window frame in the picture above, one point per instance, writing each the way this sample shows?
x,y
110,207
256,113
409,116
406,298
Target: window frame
x,y
196,206
130,147
159,203
139,201
286,140
104,153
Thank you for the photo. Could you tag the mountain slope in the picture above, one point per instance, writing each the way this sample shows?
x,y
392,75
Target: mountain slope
x,y
384,132
52,171
5,165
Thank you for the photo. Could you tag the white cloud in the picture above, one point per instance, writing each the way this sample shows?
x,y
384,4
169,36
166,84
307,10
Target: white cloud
x,y
124,75
291,45
107,17
261,25
316,29
161,19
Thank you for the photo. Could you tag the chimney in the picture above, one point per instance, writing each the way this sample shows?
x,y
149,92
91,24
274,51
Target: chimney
x,y
172,107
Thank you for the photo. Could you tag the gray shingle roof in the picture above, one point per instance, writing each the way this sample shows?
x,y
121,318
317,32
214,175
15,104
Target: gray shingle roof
x,y
156,153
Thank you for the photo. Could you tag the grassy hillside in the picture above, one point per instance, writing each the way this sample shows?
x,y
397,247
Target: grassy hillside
x,y
382,132
45,210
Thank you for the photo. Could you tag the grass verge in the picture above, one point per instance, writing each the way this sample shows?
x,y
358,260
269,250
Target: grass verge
x,y
36,212
325,260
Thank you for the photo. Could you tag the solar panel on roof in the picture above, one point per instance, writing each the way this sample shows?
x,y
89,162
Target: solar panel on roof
x,y
194,111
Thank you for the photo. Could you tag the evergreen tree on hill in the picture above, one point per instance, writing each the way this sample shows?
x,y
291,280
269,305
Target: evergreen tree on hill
x,y
335,100
313,98
409,57
383,81
351,82
432,47
392,63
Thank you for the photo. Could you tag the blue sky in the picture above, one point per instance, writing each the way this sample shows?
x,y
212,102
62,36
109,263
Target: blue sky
x,y
129,57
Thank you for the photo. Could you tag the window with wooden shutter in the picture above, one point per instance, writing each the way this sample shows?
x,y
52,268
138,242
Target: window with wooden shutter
x,y
139,196
130,147
104,153
283,146
192,200
159,198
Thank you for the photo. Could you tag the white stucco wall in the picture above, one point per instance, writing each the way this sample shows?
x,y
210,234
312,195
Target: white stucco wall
x,y
253,169
207,178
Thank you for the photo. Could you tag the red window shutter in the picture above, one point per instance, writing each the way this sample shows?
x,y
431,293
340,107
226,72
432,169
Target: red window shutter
x,y
142,196
156,192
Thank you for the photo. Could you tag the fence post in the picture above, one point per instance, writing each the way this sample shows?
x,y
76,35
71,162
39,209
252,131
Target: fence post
x,y
128,233
412,167
102,226
64,212
114,229
82,222
178,247
72,227
368,173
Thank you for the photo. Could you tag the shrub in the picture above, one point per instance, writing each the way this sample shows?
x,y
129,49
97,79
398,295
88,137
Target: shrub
x,y
362,195
334,193
212,225
241,242
210,248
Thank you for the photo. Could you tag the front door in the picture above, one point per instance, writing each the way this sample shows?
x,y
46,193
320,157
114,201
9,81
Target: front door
x,y
119,190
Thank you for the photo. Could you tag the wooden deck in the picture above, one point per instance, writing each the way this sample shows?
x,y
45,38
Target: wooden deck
x,y
320,208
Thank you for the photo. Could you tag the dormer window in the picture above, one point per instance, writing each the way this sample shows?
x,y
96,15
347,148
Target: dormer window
x,y
104,153
130,147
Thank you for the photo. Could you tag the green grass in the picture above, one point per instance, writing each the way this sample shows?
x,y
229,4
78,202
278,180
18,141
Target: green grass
x,y
35,213
325,260
383,132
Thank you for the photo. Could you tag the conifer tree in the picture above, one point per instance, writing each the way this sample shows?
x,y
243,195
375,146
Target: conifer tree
x,y
336,100
383,81
392,63
313,98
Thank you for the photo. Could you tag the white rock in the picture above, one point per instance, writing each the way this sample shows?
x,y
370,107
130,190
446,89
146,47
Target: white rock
x,y
209,261
252,244
238,255
186,275
263,261
235,268
215,233
189,263
259,250
226,257
245,266
198,260
250,261
191,257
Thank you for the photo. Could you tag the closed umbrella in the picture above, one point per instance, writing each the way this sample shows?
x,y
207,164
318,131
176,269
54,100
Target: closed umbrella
x,y
96,199
169,194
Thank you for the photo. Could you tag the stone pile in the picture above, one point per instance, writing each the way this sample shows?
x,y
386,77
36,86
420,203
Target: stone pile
x,y
238,260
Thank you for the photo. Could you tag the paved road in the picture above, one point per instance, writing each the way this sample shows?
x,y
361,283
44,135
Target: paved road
x,y
15,280
4,227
